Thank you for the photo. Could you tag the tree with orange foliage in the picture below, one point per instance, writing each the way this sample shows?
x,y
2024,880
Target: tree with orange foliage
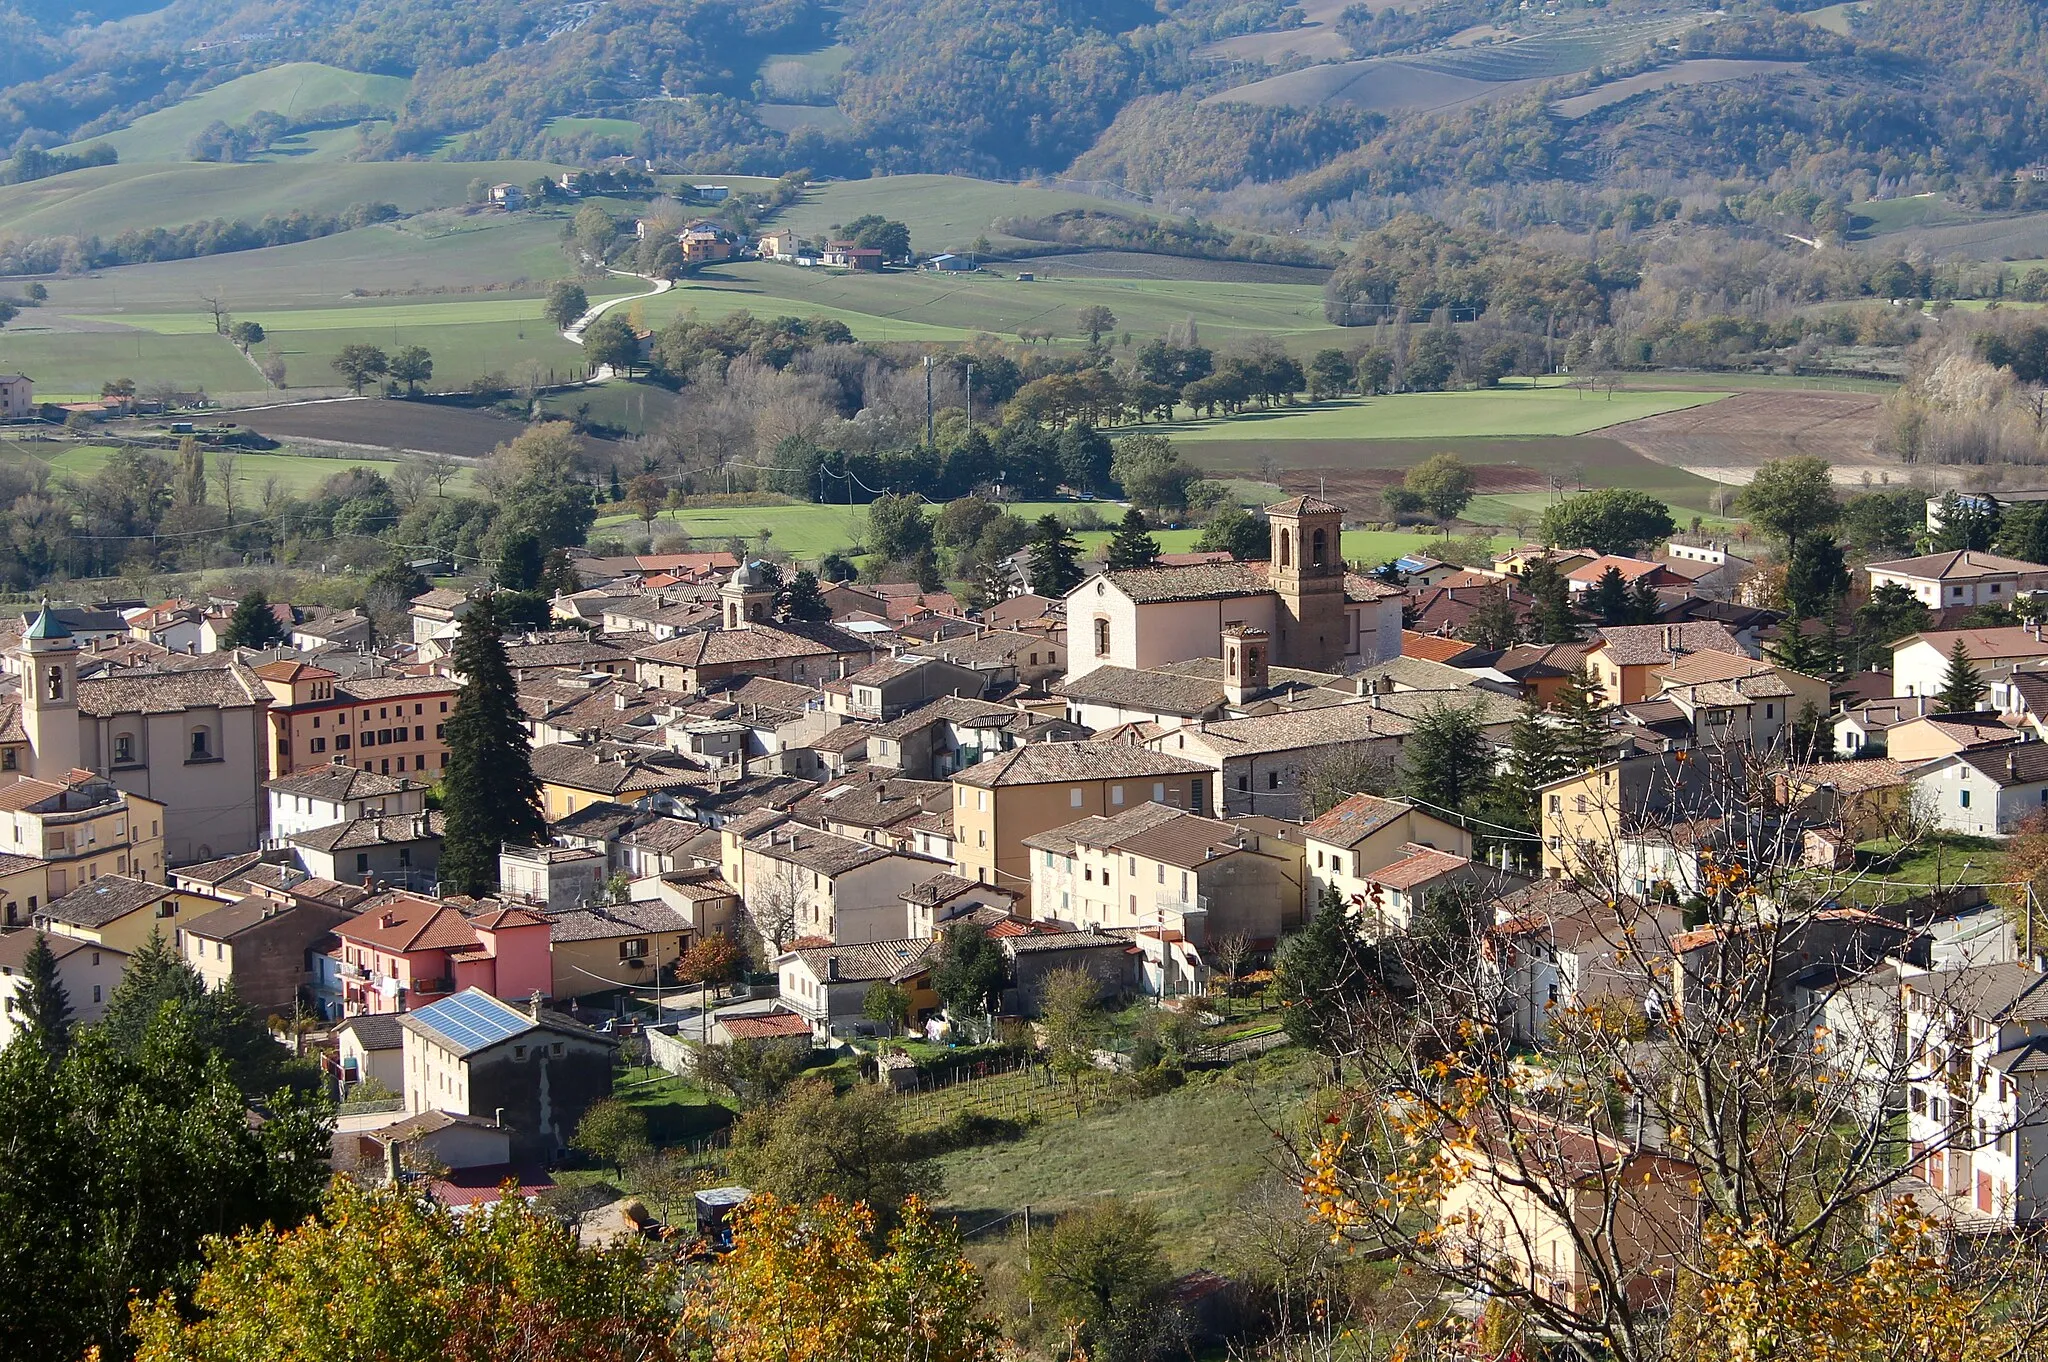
x,y
804,1284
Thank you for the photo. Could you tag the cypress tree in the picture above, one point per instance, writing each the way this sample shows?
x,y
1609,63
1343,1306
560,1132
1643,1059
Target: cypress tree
x,y
1494,624
1644,602
1963,686
803,601
489,793
1583,733
1552,621
252,625
45,1006
1610,601
1446,762
1133,546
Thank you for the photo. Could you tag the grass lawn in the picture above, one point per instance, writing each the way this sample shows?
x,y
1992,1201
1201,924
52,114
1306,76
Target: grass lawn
x,y
1416,416
912,306
293,87
625,129
1947,859
676,1109
73,365
1191,1155
461,352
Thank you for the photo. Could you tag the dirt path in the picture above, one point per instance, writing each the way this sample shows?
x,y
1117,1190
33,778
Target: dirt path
x,y
573,332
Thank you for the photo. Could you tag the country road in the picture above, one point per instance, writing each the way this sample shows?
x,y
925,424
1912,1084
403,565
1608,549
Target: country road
x,y
573,332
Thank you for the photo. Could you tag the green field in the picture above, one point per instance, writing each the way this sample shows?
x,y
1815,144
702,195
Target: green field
x,y
294,473
292,88
915,306
70,366
623,129
110,199
943,212
1421,416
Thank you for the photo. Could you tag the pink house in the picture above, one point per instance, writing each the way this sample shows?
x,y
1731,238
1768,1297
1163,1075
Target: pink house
x,y
404,952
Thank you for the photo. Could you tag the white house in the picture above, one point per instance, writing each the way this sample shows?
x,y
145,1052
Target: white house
x,y
1984,791
1365,834
1920,663
322,796
1978,1041
87,970
836,887
1964,577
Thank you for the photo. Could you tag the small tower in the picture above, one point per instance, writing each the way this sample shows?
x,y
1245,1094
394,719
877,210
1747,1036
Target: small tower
x,y
1307,573
49,696
1245,653
749,598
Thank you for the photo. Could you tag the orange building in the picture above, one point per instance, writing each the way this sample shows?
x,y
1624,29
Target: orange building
x,y
393,725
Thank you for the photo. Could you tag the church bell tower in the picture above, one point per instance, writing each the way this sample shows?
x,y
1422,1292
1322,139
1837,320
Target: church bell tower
x,y
1307,573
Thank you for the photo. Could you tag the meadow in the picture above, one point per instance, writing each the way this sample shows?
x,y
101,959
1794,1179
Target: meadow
x,y
105,200
297,474
943,212
1482,414
918,306
292,88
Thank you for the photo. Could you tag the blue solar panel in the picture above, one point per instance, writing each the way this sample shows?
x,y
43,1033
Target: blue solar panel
x,y
473,1021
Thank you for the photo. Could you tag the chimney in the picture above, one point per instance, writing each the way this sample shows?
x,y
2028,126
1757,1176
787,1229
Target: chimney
x,y
1670,638
391,1161
533,1011
388,921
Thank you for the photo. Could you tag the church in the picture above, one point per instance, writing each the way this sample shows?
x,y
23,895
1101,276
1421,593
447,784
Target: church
x,y
1316,614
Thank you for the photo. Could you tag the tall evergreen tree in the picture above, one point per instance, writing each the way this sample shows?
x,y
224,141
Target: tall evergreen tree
x,y
488,791
1055,557
1970,524
1552,621
1963,686
1644,603
44,1006
803,601
1811,652
1494,624
1610,601
1133,546
1582,714
253,625
1536,756
2029,539
1816,577
1446,762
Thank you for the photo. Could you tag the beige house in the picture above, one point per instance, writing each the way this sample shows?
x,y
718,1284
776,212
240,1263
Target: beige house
x,y
824,885
24,884
17,397
371,1046
1732,699
261,946
1159,867
1624,661
1632,1208
1962,577
79,830
618,946
1007,798
121,912
1365,834
1927,736
88,971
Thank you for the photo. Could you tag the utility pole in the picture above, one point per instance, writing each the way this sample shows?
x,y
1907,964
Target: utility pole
x,y
930,441
970,397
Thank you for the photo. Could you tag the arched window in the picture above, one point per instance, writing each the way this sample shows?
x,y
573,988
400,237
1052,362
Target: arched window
x,y
1102,638
202,744
55,687
124,749
1286,548
1320,549
1232,658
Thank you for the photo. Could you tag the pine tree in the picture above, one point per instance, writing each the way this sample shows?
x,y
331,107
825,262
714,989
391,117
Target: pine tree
x,y
803,601
1494,624
253,625
1582,723
1806,651
488,791
1133,546
1446,763
1552,620
1055,557
1644,603
1963,686
1609,600
44,1006
1536,756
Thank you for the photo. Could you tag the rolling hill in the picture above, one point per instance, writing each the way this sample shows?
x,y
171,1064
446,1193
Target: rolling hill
x,y
292,89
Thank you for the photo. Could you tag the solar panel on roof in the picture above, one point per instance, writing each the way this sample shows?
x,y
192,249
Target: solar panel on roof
x,y
474,1022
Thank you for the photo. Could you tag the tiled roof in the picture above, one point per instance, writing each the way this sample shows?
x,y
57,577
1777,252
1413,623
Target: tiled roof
x,y
171,692
1185,840
376,1030
403,923
1362,587
1418,865
1717,666
773,1026
1047,763
2023,763
826,853
876,800
867,962
439,598
2005,992
1629,568
1850,777
610,769
357,833
1355,819
1650,645
1957,566
1983,644
1150,692
757,643
104,900
15,946
620,919
338,784
1209,581
224,924
1982,729
26,793
1304,505
960,710
1322,727
1433,648
527,656
1098,831
1040,943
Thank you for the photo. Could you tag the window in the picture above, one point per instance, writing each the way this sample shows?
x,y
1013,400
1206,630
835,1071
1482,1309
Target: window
x,y
54,683
1074,797
1272,780
95,992
124,748
341,742
1966,799
519,1052
9,760
1286,549
1319,548
1102,638
1244,782
635,949
1557,803
1116,794
202,744
362,862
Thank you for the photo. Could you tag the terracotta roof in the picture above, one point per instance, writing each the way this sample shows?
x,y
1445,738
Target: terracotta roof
x,y
284,669
1983,644
756,643
1186,840
773,1026
1629,568
402,923
1433,648
1869,773
1418,865
1957,566
338,784
26,793
1304,505
1357,818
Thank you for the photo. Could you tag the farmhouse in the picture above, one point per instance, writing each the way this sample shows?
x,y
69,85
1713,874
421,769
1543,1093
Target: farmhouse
x,y
17,397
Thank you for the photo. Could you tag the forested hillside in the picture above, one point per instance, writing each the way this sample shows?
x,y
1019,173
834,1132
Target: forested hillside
x,y
1552,116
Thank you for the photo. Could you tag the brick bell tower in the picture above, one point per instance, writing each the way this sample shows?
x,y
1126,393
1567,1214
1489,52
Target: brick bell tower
x,y
1307,573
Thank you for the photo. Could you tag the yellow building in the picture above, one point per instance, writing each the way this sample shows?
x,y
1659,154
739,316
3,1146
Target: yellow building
x,y
1867,799
1586,815
576,775
1366,833
118,911
1002,801
82,829
24,888
1626,658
